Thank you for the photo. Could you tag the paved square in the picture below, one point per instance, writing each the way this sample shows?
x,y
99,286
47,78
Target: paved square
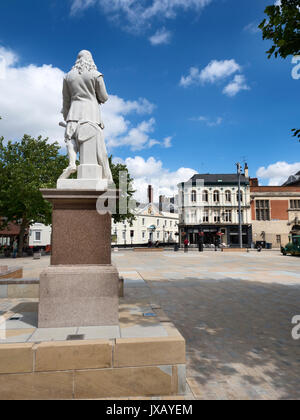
x,y
234,310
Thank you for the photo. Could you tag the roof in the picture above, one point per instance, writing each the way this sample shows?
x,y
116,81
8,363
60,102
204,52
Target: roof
x,y
227,179
293,179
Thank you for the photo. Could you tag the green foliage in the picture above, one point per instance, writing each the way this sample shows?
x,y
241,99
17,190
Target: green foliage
x,y
25,167
116,169
296,133
282,26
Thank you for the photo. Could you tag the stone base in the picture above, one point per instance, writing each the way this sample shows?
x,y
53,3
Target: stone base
x,y
79,296
82,184
96,369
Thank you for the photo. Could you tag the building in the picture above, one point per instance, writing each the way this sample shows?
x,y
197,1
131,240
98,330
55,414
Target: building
x,y
151,224
209,208
39,235
9,233
294,180
275,213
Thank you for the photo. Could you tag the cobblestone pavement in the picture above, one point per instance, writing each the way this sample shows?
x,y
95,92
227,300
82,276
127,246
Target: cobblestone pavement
x,y
235,312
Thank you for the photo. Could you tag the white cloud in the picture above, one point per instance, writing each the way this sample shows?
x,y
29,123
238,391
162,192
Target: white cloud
x,y
277,173
212,73
252,28
151,172
208,121
161,36
234,87
139,13
31,100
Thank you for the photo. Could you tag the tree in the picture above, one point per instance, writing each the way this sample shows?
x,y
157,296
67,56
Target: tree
x,y
26,166
283,27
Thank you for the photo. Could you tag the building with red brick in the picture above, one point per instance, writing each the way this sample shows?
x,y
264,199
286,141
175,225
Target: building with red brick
x,y
275,212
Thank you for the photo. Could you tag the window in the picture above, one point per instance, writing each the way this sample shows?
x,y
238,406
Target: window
x,y
228,196
242,215
194,196
37,236
217,217
171,224
205,216
205,196
144,234
157,222
158,234
262,210
227,216
278,239
295,204
237,196
216,196
143,222
124,235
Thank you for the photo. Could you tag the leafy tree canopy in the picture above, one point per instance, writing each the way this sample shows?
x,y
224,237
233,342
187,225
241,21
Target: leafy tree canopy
x,y
25,167
28,165
282,26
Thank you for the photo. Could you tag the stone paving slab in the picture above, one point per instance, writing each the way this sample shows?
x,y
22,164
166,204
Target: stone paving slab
x,y
51,334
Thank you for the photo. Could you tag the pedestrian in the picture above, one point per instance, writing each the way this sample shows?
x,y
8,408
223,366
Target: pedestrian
x,y
15,248
186,245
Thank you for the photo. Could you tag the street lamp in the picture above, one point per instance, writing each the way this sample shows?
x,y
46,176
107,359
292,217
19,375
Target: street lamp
x,y
125,231
239,173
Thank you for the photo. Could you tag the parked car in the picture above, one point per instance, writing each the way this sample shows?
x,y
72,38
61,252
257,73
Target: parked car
x,y
293,247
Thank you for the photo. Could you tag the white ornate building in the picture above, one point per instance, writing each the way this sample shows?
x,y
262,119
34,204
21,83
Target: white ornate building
x,y
208,205
150,224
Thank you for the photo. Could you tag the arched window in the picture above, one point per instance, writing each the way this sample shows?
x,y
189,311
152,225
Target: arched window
x,y
228,196
205,196
216,196
194,196
237,196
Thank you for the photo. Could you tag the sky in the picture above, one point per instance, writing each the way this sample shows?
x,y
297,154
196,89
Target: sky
x,y
191,88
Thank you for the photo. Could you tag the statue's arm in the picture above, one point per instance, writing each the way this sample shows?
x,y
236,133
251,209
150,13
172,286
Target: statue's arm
x,y
66,100
101,92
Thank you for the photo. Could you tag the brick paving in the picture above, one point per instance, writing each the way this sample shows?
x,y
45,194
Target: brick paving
x,y
235,312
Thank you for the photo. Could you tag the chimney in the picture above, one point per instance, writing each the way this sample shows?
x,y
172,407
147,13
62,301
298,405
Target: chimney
x,y
150,194
246,171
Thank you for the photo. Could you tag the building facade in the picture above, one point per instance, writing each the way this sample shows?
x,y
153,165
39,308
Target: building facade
x,y
275,213
39,235
150,225
209,209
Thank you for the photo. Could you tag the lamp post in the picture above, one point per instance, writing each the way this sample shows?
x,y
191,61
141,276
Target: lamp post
x,y
125,231
239,172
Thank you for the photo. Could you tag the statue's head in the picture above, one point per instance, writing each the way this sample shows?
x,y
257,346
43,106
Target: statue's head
x,y
84,62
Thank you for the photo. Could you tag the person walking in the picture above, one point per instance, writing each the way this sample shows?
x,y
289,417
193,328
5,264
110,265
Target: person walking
x,y
186,245
15,248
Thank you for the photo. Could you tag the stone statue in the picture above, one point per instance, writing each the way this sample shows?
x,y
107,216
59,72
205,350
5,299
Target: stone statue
x,y
83,92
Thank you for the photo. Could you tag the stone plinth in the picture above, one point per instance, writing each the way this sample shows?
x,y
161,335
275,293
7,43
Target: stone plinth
x,y
80,235
81,287
79,296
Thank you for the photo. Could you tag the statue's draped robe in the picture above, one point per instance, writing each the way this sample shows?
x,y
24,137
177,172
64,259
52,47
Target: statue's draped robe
x,y
82,95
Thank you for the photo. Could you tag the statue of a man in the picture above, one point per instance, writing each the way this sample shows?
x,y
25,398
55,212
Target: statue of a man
x,y
83,91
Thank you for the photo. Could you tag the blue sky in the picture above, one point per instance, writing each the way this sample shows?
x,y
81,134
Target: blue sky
x,y
164,119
